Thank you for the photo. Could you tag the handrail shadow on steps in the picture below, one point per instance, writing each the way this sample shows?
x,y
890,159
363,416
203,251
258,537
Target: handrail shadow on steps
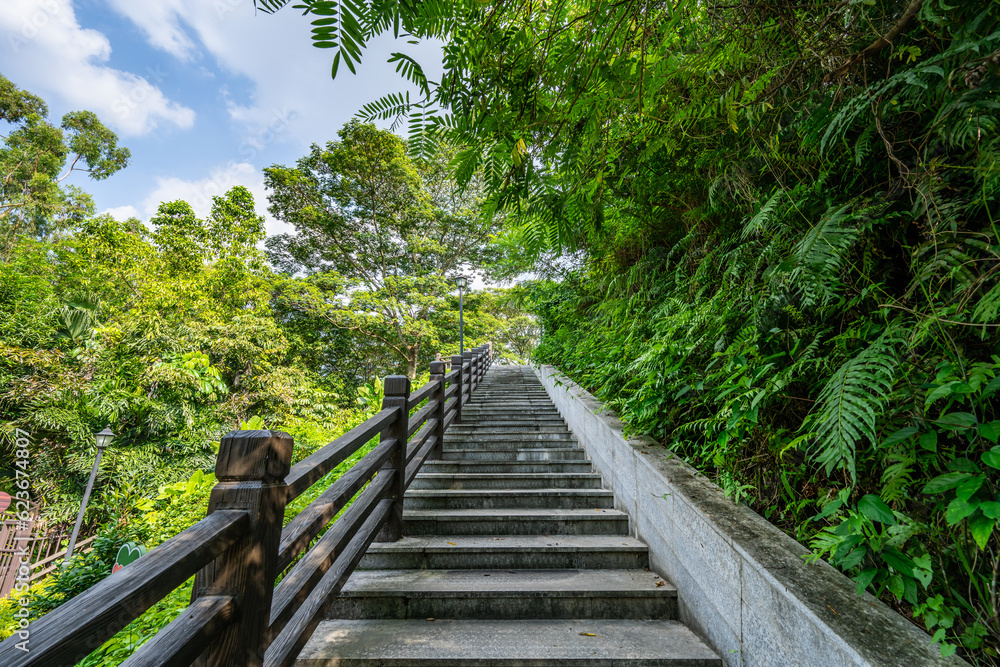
x,y
237,616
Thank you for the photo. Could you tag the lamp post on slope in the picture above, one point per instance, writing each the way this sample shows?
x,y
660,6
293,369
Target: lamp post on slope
x,y
104,439
461,282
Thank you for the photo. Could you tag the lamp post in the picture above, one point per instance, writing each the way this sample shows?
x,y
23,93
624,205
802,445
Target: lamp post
x,y
461,281
104,439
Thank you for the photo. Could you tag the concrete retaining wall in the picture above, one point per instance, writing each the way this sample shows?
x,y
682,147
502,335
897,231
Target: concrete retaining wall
x,y
743,584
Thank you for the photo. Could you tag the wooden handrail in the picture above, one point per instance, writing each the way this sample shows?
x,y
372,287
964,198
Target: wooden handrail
x,y
66,635
237,618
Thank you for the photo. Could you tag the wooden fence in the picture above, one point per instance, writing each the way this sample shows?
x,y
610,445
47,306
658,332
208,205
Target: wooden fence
x,y
44,551
237,617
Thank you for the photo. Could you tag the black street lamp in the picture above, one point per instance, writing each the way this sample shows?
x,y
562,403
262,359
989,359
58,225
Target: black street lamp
x,y
104,439
461,282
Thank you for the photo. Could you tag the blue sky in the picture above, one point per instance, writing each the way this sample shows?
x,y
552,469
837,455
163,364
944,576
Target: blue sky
x,y
205,93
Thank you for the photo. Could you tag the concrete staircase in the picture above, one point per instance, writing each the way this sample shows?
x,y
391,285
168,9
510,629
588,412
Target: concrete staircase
x,y
513,554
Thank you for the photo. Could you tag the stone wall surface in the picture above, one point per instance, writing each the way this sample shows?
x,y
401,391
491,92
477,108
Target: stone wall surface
x,y
744,585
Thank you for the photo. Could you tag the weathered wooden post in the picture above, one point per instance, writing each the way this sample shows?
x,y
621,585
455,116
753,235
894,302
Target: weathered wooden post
x,y
437,375
457,364
251,470
470,370
397,395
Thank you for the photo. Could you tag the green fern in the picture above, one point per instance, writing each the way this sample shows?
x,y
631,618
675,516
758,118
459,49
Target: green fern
x,y
759,221
820,255
850,403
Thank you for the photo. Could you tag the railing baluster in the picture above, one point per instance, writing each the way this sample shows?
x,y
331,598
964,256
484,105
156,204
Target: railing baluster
x,y
251,470
437,375
468,365
457,363
397,395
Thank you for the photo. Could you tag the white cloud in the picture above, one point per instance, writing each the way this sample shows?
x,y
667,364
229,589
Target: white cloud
x,y
199,192
45,50
291,78
122,212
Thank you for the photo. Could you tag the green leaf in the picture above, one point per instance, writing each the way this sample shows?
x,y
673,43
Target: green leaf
x,y
968,488
956,421
959,509
853,558
991,509
898,561
939,392
929,441
981,528
990,431
922,569
896,586
829,509
945,482
899,436
864,579
875,509
992,458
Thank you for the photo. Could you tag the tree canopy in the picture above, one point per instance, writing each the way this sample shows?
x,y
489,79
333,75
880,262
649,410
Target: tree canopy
x,y
379,237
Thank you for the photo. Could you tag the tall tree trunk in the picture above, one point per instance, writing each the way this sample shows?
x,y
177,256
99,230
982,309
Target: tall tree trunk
x,y
411,361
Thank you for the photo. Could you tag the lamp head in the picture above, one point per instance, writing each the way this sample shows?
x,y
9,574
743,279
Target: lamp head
x,y
105,437
461,282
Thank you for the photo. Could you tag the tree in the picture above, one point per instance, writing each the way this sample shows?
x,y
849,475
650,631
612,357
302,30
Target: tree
x,y
377,235
32,159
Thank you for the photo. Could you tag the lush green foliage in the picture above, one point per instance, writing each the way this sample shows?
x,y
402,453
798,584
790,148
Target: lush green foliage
x,y
32,157
379,238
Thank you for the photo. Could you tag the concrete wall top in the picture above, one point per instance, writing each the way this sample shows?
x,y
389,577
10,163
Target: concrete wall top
x,y
744,585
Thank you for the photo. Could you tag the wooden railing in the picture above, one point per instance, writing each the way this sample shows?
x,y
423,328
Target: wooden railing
x,y
237,617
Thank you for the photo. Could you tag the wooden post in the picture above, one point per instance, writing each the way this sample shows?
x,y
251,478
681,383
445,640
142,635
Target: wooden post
x,y
457,364
437,375
397,395
251,471
470,374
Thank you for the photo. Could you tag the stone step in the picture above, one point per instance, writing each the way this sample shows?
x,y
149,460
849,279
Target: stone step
x,y
519,467
473,417
535,454
504,401
508,445
504,594
513,436
515,643
430,480
514,498
515,522
483,428
501,398
516,552
508,399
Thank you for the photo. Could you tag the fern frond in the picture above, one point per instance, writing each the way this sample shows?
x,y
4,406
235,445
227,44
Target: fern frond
x,y
820,254
761,218
851,401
